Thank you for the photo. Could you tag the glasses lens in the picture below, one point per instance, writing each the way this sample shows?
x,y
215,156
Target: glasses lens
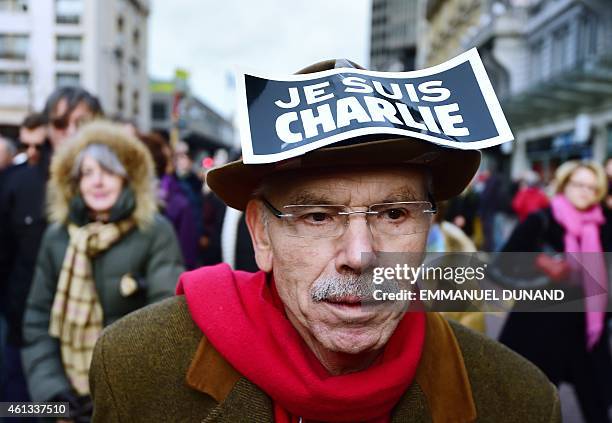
x,y
400,218
314,221
60,122
37,147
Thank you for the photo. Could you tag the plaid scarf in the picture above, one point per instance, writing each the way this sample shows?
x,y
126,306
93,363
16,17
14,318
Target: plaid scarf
x,y
76,314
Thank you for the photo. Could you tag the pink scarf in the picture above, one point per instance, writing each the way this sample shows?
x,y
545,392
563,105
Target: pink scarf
x,y
245,321
582,236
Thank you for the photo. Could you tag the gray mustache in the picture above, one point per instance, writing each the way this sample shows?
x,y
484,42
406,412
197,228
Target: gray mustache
x,y
350,284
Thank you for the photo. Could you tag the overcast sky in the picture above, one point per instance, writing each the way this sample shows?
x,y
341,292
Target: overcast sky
x,y
211,38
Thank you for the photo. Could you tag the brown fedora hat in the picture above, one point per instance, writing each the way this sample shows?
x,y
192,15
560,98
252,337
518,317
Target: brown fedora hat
x,y
452,169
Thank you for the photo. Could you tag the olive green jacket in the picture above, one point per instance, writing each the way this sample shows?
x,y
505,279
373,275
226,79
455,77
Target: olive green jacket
x,y
150,257
155,365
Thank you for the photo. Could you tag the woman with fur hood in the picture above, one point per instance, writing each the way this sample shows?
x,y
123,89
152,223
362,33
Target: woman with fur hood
x,y
107,253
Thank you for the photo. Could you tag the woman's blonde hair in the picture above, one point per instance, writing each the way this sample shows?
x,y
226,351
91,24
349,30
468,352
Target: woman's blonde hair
x,y
567,169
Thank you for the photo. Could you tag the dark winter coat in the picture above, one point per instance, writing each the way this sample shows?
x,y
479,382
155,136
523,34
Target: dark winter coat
x,y
149,254
178,210
556,341
22,224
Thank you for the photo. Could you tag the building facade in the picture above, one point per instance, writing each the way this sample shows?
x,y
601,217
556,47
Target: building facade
x,y
175,112
395,28
100,45
550,63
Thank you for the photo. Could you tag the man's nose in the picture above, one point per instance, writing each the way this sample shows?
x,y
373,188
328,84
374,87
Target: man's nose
x,y
357,246
71,129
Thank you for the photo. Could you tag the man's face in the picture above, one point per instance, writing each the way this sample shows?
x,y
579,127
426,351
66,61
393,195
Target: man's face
x,y
5,156
33,140
300,265
63,125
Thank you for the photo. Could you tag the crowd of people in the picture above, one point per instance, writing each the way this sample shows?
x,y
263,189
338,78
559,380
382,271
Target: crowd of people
x,y
98,227
98,219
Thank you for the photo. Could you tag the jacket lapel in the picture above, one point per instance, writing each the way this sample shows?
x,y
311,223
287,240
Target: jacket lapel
x,y
441,383
238,399
245,403
440,393
412,407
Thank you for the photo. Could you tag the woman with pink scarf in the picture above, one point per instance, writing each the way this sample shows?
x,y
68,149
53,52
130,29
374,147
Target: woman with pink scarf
x,y
570,347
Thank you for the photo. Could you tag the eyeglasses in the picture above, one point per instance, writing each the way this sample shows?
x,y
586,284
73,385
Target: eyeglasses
x,y
328,221
62,122
25,146
580,185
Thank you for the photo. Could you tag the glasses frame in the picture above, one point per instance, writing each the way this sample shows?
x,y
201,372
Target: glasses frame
x,y
280,215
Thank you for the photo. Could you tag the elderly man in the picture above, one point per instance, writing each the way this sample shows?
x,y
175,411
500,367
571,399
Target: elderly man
x,y
292,343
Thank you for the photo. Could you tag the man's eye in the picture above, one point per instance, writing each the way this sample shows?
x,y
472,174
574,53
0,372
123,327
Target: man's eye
x,y
395,214
317,217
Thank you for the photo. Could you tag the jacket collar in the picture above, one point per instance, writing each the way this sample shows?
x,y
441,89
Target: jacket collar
x,y
441,389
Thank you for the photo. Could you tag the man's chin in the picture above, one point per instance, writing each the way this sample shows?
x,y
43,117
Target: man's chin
x,y
352,340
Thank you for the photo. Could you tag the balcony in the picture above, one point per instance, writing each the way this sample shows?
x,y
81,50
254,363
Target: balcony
x,y
569,67
585,85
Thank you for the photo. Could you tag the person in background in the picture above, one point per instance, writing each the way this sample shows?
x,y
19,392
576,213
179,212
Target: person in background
x,y
66,110
190,182
570,346
608,199
107,253
446,237
461,210
7,152
529,197
33,137
214,212
173,202
495,204
22,213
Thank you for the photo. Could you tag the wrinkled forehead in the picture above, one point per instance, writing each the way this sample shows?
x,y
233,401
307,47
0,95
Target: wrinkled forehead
x,y
353,187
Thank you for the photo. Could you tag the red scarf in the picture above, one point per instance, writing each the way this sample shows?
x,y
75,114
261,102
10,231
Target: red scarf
x,y
240,315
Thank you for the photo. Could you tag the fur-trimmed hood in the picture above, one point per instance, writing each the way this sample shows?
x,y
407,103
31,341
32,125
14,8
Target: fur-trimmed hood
x,y
132,154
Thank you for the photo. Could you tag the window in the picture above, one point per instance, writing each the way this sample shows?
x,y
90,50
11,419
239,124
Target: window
x,y
135,103
119,23
135,64
13,5
64,79
159,111
68,49
13,46
119,97
68,11
14,78
588,27
560,50
136,38
537,61
118,53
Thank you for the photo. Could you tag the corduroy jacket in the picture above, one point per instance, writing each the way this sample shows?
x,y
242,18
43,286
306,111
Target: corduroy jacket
x,y
156,365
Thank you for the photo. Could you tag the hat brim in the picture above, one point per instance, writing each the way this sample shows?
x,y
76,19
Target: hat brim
x,y
452,169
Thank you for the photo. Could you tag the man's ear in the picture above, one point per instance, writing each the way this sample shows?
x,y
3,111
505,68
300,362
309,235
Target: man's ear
x,y
259,235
